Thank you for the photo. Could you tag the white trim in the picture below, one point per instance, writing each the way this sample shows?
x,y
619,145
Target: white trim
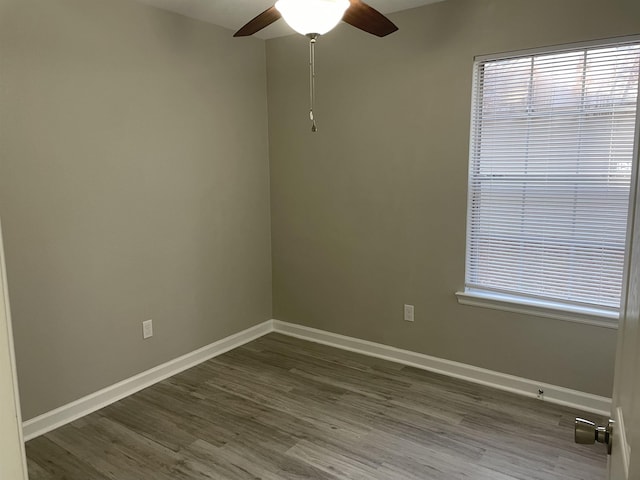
x,y
621,436
510,383
529,388
72,411
567,47
512,303
5,304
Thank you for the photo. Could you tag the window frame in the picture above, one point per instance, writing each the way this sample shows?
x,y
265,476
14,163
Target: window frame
x,y
523,304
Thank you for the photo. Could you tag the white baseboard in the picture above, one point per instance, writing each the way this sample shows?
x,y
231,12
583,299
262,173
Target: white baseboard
x,y
622,438
510,383
72,411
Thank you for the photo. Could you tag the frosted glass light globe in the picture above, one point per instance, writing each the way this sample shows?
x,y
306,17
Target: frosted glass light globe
x,y
312,16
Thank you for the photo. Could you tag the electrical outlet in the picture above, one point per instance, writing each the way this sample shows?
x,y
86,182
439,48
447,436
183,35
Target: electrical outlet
x,y
147,329
408,313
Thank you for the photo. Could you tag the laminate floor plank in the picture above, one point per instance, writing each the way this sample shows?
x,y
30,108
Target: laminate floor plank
x,y
59,463
36,472
281,408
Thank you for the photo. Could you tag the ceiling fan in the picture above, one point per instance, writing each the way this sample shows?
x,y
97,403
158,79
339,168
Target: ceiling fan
x,y
321,14
313,18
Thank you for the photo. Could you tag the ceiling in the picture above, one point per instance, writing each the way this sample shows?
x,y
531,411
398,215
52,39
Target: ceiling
x,y
233,14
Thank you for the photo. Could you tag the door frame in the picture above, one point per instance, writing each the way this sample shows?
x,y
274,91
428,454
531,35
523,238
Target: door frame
x,y
13,462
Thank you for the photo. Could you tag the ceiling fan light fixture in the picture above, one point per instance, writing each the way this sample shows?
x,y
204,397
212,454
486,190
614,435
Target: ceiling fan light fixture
x,y
312,16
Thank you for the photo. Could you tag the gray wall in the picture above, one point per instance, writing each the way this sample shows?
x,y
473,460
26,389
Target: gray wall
x,y
134,184
370,213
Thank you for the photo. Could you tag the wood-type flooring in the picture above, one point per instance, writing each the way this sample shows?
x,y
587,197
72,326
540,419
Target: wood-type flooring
x,y
282,408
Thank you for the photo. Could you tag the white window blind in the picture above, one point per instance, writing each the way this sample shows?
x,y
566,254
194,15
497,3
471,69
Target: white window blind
x,y
549,178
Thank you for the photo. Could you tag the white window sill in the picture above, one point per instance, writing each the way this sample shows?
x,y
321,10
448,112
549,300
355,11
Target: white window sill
x,y
540,308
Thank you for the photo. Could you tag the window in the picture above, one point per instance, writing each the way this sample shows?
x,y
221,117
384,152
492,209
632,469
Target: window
x,y
552,146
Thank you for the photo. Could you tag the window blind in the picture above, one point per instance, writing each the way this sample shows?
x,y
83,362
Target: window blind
x,y
552,145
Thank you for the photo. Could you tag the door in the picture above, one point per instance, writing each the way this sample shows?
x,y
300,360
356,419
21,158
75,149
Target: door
x,y
12,457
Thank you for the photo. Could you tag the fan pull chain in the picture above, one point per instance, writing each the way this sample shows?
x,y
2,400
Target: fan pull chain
x,y
312,80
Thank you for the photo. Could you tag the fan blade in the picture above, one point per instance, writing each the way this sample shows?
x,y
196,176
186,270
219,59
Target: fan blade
x,y
364,17
263,20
